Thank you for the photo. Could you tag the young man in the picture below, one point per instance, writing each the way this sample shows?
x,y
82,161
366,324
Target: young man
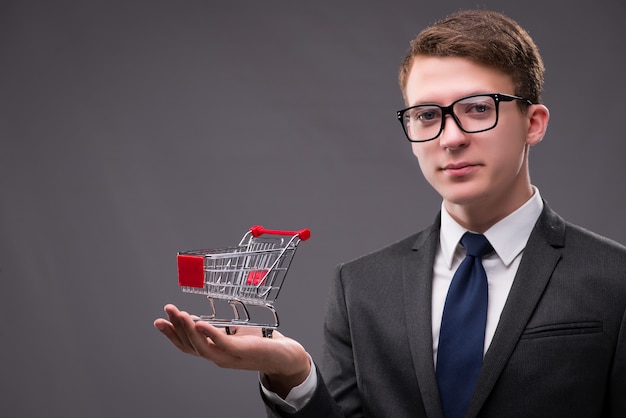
x,y
544,333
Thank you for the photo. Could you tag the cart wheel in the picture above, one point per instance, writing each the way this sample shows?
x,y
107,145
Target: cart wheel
x,y
267,332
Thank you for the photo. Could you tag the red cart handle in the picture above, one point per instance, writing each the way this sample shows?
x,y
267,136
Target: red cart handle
x,y
258,230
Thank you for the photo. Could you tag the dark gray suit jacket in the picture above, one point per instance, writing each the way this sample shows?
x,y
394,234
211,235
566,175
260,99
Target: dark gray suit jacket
x,y
559,349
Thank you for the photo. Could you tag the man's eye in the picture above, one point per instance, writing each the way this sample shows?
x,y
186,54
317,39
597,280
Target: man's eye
x,y
425,115
479,108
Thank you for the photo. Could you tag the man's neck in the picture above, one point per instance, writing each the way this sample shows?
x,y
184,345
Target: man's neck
x,y
480,216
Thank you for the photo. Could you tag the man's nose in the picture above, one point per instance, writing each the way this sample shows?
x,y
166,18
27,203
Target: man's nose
x,y
452,136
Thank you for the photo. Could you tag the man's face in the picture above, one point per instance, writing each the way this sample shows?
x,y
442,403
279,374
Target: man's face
x,y
482,170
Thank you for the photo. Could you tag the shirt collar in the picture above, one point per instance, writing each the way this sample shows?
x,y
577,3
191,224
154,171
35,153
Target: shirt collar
x,y
508,236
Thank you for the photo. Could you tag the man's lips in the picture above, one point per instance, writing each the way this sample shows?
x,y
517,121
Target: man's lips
x,y
459,169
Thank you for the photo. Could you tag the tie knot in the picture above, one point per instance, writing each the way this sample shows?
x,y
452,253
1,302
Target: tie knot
x,y
476,245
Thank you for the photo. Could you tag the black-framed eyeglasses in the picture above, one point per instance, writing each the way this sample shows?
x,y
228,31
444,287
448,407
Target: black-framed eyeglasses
x,y
472,114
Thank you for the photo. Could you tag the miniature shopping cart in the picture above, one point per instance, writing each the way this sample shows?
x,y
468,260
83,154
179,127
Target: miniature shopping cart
x,y
250,274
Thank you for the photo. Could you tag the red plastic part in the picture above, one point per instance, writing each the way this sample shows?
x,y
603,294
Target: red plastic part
x,y
190,270
258,230
255,277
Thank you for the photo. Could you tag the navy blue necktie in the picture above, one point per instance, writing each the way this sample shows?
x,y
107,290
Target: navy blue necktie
x,y
462,335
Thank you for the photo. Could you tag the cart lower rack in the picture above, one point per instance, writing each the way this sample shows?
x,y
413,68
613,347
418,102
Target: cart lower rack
x,y
250,274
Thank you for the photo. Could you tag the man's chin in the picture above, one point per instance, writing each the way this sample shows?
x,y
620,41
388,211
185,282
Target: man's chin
x,y
462,196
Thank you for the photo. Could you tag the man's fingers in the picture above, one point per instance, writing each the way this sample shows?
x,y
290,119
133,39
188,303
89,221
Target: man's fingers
x,y
245,349
168,330
228,338
214,335
181,330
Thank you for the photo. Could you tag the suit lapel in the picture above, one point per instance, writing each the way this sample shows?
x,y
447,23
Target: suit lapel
x,y
540,258
417,285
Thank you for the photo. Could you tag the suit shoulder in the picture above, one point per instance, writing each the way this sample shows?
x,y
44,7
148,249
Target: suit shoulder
x,y
577,235
559,232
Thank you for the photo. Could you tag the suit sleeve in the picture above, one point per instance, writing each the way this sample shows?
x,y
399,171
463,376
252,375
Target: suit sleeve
x,y
336,394
321,404
338,363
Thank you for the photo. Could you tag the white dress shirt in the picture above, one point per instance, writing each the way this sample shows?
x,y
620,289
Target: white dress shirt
x,y
508,238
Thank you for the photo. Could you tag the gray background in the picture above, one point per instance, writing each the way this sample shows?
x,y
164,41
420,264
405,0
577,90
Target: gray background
x,y
130,130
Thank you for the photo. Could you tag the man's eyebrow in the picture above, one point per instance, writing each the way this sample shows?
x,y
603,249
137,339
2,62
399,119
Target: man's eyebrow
x,y
468,94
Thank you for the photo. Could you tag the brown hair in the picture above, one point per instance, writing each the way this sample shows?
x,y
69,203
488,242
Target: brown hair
x,y
487,38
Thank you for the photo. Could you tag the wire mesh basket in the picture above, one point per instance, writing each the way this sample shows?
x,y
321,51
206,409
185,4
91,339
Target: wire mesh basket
x,y
249,274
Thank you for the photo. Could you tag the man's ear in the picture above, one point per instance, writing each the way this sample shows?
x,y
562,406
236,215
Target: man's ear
x,y
538,116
